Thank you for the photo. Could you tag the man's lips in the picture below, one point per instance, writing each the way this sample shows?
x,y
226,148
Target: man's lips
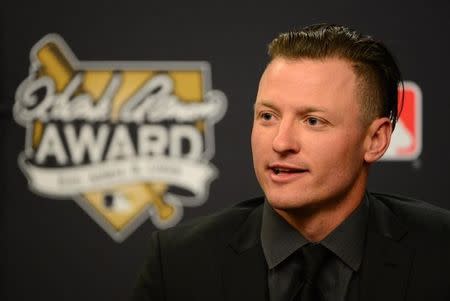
x,y
280,169
285,173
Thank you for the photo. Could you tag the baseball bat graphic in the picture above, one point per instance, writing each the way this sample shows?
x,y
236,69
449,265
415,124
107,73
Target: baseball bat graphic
x,y
56,65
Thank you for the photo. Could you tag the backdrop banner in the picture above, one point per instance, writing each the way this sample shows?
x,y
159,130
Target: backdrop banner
x,y
118,120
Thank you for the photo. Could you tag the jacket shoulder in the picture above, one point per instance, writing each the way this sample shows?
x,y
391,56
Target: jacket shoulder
x,y
184,259
416,213
215,228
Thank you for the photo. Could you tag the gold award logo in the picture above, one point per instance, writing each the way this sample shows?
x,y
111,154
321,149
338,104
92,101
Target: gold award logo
x,y
125,140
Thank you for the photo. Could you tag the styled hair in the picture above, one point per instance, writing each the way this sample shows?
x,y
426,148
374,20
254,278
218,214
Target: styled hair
x,y
378,73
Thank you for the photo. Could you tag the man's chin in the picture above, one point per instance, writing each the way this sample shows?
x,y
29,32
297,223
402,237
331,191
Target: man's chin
x,y
297,204
286,204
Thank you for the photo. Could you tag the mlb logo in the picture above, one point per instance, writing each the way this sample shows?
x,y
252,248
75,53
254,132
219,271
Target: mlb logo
x,y
406,140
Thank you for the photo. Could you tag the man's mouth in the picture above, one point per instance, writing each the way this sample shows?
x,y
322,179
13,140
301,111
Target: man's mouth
x,y
286,170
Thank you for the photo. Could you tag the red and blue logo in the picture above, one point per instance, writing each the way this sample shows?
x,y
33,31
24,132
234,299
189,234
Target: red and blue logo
x,y
406,140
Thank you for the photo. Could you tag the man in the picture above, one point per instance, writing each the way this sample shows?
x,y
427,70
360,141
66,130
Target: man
x,y
325,110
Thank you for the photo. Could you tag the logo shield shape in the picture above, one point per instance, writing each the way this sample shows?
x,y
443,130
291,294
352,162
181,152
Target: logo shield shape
x,y
125,140
406,140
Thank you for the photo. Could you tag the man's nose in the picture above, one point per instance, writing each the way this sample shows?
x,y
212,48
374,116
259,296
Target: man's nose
x,y
286,139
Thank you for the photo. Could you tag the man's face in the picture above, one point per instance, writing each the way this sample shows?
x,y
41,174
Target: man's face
x,y
308,135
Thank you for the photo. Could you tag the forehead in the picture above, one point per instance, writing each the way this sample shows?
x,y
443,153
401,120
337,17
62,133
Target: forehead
x,y
333,71
323,81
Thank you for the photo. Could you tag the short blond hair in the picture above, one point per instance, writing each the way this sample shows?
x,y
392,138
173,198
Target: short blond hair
x,y
376,68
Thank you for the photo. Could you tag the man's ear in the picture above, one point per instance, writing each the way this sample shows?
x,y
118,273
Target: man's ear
x,y
377,140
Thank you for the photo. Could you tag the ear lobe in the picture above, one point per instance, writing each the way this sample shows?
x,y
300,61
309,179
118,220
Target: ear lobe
x,y
377,139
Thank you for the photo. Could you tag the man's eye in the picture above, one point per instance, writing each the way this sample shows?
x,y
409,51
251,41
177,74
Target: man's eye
x,y
313,121
266,116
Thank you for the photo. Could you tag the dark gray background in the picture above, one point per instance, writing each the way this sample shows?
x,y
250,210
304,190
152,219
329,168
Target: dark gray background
x,y
52,250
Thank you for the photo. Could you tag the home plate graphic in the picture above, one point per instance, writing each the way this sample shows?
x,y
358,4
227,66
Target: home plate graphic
x,y
126,140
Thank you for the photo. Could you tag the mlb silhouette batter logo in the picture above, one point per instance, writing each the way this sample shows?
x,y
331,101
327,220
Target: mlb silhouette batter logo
x,y
406,141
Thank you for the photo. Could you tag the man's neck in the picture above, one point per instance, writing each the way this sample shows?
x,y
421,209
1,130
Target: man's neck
x,y
315,223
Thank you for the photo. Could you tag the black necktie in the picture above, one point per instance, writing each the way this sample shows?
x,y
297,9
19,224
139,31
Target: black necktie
x,y
314,257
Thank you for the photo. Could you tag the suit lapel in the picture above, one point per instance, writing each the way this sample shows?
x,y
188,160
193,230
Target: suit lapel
x,y
244,268
387,263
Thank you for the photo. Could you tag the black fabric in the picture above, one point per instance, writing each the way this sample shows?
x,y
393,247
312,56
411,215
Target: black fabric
x,y
220,257
340,280
314,258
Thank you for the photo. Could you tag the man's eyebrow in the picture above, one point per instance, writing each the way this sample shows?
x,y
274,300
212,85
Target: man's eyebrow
x,y
264,104
300,110
311,109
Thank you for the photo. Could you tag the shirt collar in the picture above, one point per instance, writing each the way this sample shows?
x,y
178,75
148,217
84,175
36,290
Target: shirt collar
x,y
348,239
279,239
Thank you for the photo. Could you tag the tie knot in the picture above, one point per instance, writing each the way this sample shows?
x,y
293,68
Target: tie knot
x,y
314,257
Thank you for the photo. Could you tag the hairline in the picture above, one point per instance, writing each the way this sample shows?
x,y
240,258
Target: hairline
x,y
363,85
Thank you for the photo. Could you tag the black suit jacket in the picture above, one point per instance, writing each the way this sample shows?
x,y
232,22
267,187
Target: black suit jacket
x,y
219,257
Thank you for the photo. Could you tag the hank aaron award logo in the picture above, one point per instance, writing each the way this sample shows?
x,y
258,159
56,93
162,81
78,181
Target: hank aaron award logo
x,y
125,140
406,140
